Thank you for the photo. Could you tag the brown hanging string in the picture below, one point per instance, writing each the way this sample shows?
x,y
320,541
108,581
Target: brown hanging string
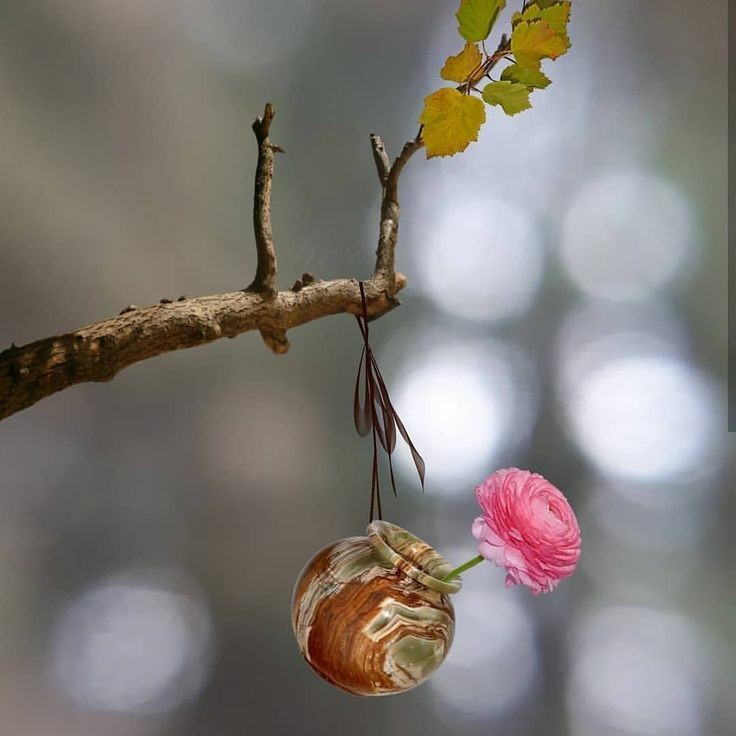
x,y
377,415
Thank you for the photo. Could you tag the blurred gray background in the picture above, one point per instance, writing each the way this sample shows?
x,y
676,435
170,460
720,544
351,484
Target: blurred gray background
x,y
566,312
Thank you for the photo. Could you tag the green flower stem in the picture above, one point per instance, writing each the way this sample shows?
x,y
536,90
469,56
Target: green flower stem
x,y
465,566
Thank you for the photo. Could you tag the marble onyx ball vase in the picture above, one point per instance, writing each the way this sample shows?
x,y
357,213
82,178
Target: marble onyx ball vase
x,y
372,615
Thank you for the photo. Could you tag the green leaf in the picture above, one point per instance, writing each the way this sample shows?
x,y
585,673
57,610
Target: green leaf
x,y
528,77
451,121
532,42
513,97
458,68
476,18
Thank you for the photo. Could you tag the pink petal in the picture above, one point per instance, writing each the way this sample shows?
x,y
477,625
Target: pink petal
x,y
479,528
513,557
491,553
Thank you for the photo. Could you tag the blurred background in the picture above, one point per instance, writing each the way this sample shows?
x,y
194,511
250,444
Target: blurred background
x,y
566,312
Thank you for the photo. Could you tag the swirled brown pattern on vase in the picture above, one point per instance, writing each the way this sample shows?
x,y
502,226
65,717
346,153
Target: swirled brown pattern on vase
x,y
372,614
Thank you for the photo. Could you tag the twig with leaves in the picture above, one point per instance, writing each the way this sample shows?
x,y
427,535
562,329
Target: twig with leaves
x,y
452,116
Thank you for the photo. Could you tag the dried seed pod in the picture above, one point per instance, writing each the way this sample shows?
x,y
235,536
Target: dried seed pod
x,y
372,615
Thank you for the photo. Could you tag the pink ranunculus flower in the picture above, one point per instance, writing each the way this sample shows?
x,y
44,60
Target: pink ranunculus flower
x,y
528,527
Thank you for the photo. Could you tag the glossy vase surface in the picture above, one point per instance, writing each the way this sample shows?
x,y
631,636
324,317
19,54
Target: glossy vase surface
x,y
372,614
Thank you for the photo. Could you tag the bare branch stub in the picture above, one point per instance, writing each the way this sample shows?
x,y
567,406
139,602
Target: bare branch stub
x,y
380,157
389,227
266,270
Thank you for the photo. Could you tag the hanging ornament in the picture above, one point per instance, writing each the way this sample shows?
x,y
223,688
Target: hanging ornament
x,y
372,615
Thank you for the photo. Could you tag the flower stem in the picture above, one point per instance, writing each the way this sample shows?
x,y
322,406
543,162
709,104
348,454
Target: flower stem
x,y
465,566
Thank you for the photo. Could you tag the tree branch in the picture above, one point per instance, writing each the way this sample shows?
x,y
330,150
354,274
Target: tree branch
x,y
98,352
265,279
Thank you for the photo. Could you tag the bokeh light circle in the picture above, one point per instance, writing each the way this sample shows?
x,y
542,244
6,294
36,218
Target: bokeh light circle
x,y
625,235
644,418
133,643
463,403
481,259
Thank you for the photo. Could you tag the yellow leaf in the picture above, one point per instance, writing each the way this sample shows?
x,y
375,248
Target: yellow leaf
x,y
556,16
532,42
459,68
451,121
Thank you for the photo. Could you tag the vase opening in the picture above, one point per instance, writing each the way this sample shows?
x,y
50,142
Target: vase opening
x,y
412,556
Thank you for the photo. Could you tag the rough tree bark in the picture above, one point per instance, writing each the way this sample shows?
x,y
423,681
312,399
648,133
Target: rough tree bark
x,y
98,352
